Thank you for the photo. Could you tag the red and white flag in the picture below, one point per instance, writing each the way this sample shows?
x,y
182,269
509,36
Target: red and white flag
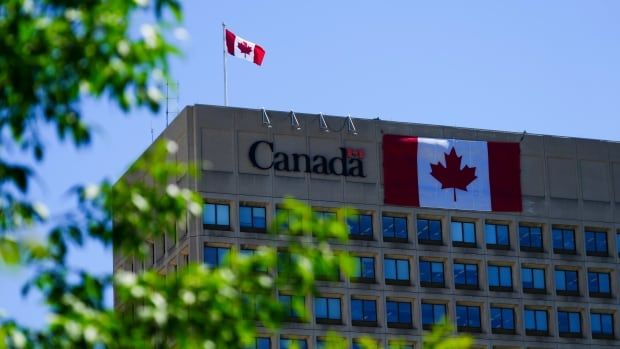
x,y
244,49
451,173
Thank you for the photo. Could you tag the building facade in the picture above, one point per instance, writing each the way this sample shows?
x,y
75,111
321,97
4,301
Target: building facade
x,y
543,277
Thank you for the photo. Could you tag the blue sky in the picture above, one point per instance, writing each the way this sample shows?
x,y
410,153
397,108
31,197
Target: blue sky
x,y
550,67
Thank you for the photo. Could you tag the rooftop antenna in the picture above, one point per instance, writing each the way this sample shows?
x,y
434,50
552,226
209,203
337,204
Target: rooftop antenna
x,y
172,100
351,126
266,119
295,122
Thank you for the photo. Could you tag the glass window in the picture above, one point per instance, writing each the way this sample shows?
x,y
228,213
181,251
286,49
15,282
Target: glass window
x,y
599,284
463,233
535,321
432,314
465,275
500,277
429,230
289,343
602,325
214,256
364,269
497,236
468,318
569,323
396,270
533,279
262,343
618,243
252,218
566,282
596,243
360,225
394,228
563,240
291,303
398,314
431,274
502,319
216,216
530,238
327,309
363,311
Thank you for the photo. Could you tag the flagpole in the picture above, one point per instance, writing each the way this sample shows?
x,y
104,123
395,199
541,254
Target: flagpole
x,y
224,56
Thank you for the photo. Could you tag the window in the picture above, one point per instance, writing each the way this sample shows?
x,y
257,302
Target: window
x,y
432,314
216,216
398,314
262,343
363,312
214,256
599,284
466,276
394,228
360,226
325,215
431,274
618,243
283,219
291,304
596,243
530,238
396,271
252,219
564,241
364,269
536,322
500,278
569,324
497,236
468,318
502,320
399,345
602,325
463,234
429,231
566,282
288,343
533,280
327,310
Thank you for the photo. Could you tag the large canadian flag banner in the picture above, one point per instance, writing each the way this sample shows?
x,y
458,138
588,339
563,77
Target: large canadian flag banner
x,y
451,173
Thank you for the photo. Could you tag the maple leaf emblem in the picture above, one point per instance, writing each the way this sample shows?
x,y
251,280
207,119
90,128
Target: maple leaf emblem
x,y
244,48
452,176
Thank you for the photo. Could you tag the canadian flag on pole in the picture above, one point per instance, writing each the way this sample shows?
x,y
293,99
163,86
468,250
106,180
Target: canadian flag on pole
x,y
244,49
451,173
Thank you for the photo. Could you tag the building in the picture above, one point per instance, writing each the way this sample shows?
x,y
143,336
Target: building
x,y
543,276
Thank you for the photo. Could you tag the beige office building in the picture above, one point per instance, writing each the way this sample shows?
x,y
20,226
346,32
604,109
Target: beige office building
x,y
543,276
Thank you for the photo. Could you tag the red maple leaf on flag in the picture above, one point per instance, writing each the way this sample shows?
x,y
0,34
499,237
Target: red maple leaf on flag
x,y
244,48
452,176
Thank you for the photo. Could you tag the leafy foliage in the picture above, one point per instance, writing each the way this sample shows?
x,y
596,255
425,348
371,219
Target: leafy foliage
x,y
55,53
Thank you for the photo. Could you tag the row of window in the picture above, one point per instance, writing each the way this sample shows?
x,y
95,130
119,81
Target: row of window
x,y
466,275
399,314
497,236
301,343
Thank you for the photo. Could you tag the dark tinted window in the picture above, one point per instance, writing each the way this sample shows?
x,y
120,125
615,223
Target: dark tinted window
x,y
602,324
502,319
429,230
566,281
496,235
327,308
463,233
599,283
468,317
252,218
214,256
432,314
396,270
569,323
364,268
291,304
216,215
500,276
398,313
535,320
363,311
432,273
288,343
596,243
465,275
533,278
360,225
394,227
530,238
563,240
